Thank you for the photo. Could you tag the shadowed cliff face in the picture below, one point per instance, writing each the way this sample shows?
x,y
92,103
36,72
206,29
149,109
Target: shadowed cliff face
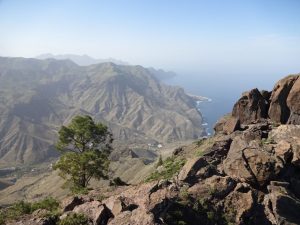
x,y
38,96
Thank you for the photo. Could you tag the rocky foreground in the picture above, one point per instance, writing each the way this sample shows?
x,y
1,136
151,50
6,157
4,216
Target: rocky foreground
x,y
248,173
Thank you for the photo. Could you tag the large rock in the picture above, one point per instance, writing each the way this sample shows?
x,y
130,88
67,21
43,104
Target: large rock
x,y
279,110
281,207
190,169
95,211
227,125
284,150
291,135
248,162
238,205
252,106
70,203
141,204
293,102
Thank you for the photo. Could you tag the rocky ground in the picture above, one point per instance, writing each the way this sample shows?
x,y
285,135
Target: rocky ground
x,y
248,173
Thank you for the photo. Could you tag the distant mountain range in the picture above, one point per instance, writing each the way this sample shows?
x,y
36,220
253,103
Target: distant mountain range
x,y
38,96
81,60
85,60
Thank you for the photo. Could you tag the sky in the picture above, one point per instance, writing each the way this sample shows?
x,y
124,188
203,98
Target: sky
x,y
237,39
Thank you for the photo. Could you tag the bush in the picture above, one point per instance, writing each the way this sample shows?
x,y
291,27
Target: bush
x,y
21,208
49,204
171,166
74,219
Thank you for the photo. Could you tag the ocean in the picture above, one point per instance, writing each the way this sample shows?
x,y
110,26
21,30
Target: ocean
x,y
223,91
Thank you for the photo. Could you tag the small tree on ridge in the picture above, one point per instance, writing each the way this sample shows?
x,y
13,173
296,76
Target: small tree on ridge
x,y
85,147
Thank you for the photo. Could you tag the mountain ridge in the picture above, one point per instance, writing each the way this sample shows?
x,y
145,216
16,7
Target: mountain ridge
x,y
38,96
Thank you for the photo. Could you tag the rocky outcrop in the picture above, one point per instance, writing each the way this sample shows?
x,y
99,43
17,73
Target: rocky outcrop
x,y
227,125
279,110
252,106
249,162
98,213
281,105
293,103
281,207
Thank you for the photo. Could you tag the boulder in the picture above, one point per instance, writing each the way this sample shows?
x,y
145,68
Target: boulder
x,y
293,103
281,207
256,132
220,124
227,125
248,162
238,206
190,169
122,204
283,150
264,166
266,94
234,164
291,135
232,124
70,203
95,211
220,186
252,106
279,110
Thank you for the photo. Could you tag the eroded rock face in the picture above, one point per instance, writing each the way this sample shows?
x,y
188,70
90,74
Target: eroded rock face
x,y
95,211
248,162
293,102
190,169
281,206
280,110
70,203
227,125
252,106
244,202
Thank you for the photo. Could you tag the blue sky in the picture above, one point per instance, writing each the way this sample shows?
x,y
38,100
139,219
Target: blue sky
x,y
214,37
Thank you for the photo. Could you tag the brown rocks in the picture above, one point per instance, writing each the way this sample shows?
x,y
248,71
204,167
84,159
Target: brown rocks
x,y
190,169
291,135
249,162
238,206
227,125
70,203
283,150
282,105
293,102
220,186
281,207
279,110
95,211
252,106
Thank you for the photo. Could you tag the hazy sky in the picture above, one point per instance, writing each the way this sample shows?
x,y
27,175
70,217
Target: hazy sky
x,y
209,37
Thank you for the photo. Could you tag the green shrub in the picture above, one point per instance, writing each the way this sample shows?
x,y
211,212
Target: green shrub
x,y
171,166
2,218
160,161
21,208
49,204
203,145
74,219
